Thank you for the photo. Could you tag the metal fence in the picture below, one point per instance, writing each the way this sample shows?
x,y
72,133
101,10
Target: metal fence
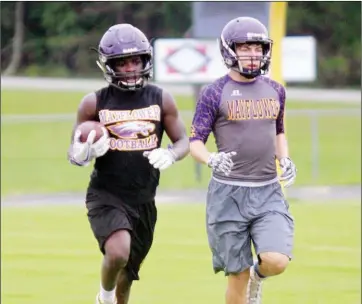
x,y
317,122
314,120
311,121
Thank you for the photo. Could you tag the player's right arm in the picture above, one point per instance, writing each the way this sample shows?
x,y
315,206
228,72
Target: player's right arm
x,y
86,111
202,124
199,151
79,153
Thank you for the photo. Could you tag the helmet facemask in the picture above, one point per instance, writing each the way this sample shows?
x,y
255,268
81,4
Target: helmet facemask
x,y
127,81
234,62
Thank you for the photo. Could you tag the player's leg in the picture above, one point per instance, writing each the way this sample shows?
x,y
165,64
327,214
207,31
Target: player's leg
x,y
123,287
111,228
143,224
229,239
272,233
236,292
116,249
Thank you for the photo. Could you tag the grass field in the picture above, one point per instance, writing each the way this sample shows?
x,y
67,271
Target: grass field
x,y
48,253
34,153
49,256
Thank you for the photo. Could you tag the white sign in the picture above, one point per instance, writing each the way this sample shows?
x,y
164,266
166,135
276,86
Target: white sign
x,y
199,60
299,59
187,61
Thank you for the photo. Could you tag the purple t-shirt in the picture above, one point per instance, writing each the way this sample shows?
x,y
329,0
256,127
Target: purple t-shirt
x,y
244,117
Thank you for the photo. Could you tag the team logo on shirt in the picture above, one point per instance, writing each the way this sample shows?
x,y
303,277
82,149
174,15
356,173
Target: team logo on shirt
x,y
132,130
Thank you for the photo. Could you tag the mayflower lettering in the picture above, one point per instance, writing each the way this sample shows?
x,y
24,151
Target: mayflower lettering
x,y
152,113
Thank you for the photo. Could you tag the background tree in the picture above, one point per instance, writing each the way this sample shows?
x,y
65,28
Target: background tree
x,y
57,35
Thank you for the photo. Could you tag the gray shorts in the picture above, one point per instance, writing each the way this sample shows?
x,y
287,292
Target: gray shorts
x,y
237,216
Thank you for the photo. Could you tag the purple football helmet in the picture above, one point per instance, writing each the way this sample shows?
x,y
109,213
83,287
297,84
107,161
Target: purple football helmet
x,y
245,30
121,41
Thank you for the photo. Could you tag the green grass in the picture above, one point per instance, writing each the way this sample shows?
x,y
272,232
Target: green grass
x,y
49,255
34,154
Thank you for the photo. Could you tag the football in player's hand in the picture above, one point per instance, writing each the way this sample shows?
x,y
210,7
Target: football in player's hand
x,y
87,126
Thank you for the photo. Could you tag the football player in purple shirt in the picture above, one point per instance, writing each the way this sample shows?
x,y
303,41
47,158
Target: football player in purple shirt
x,y
245,203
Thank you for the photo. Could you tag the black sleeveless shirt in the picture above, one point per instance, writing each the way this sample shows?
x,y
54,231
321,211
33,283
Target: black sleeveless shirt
x,y
134,122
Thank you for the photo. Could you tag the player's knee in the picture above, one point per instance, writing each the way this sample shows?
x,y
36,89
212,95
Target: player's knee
x,y
117,249
274,262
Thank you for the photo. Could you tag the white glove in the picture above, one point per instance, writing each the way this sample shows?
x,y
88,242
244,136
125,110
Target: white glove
x,y
289,171
83,153
160,158
221,162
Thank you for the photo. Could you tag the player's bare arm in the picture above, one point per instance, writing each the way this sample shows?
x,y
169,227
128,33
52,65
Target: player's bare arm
x,y
81,153
174,127
86,111
281,146
199,151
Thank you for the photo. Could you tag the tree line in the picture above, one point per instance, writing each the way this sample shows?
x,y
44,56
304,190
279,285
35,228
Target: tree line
x,y
53,38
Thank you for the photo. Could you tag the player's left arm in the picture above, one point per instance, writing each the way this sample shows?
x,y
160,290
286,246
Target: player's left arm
x,y
176,131
287,166
174,127
281,146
